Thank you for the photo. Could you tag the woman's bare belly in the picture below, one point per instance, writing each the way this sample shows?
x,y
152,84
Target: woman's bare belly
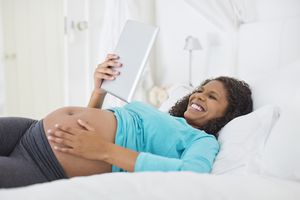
x,y
104,123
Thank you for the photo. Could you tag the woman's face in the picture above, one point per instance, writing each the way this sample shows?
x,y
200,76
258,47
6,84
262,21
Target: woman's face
x,y
207,103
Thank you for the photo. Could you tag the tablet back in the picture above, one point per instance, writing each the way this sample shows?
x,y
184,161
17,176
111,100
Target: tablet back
x,y
133,47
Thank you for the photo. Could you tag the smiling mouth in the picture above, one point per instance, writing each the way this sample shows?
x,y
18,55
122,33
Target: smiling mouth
x,y
197,107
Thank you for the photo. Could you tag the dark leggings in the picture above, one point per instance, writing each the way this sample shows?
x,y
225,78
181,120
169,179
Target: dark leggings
x,y
25,155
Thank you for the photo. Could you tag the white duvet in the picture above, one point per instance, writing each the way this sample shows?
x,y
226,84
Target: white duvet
x,y
159,185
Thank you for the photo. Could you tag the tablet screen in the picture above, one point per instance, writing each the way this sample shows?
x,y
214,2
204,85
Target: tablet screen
x,y
133,47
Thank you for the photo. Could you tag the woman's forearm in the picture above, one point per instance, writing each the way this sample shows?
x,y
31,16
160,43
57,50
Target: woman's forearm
x,y
120,157
96,99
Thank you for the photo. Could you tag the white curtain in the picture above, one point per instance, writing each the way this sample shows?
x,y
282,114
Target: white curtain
x,y
115,15
226,15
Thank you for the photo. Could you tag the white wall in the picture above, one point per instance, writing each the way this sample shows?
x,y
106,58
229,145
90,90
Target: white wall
x,y
178,20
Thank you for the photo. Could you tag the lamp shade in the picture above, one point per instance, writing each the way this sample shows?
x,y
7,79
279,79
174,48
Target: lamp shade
x,y
192,43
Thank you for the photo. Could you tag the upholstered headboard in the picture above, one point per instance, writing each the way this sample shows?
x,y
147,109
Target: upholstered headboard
x,y
267,45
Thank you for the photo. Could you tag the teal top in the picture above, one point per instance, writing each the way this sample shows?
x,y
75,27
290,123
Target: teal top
x,y
164,142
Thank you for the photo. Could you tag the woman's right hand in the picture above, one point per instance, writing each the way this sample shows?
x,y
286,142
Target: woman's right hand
x,y
106,71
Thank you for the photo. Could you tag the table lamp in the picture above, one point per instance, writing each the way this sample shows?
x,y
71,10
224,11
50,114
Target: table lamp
x,y
191,44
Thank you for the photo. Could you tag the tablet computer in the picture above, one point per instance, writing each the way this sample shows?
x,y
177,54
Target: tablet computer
x,y
133,48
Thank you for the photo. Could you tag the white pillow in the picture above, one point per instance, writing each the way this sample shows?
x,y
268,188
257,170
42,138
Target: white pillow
x,y
242,141
175,93
243,138
281,157
282,153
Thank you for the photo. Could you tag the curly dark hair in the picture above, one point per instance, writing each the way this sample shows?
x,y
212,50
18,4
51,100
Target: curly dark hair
x,y
239,103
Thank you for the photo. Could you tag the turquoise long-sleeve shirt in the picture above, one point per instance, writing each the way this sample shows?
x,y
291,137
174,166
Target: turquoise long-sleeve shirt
x,y
164,142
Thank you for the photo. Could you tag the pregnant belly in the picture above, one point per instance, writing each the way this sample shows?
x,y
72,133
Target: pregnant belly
x,y
104,123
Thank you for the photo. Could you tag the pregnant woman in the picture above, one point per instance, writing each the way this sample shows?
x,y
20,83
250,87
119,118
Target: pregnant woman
x,y
78,141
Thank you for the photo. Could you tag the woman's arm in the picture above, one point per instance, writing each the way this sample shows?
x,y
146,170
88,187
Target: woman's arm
x,y
88,144
103,71
121,157
198,157
97,98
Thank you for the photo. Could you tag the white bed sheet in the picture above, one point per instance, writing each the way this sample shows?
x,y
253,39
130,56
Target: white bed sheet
x,y
159,185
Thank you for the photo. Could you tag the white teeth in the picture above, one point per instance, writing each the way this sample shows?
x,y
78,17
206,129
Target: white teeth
x,y
195,106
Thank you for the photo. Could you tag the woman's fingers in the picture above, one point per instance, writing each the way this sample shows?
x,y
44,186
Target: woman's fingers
x,y
108,65
64,149
85,125
67,129
107,71
61,141
111,56
60,137
106,74
60,134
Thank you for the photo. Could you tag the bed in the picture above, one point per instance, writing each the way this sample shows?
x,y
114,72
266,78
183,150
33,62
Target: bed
x,y
158,185
260,152
261,163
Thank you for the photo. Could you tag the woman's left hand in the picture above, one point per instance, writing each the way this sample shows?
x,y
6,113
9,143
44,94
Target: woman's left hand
x,y
84,142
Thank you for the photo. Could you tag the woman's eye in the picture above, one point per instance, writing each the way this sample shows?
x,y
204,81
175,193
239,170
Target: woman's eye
x,y
212,97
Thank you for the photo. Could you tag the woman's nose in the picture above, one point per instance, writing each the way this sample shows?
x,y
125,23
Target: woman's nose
x,y
201,97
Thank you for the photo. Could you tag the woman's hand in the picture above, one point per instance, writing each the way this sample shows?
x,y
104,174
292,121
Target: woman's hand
x,y
88,144
84,142
106,71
